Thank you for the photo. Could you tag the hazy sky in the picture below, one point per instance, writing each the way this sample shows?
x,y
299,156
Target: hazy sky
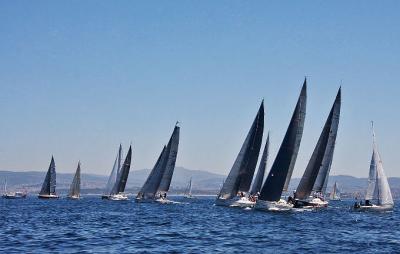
x,y
79,77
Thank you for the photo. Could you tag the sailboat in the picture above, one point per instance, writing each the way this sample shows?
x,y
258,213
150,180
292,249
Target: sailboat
x,y
158,182
188,191
75,189
378,196
335,194
117,191
48,190
13,195
281,171
114,174
258,181
237,184
317,170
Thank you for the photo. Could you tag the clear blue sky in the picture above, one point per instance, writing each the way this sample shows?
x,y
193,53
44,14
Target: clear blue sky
x,y
78,77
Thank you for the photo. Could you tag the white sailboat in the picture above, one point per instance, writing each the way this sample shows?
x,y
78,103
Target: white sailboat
x,y
13,195
335,194
75,188
188,191
378,196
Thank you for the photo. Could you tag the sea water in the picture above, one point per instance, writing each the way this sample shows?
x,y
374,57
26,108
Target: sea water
x,y
93,225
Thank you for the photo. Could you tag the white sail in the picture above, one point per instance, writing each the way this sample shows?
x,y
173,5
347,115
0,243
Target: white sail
x,y
371,179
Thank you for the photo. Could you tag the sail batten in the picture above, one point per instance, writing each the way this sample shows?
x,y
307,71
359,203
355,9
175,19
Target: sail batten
x,y
242,171
321,158
281,171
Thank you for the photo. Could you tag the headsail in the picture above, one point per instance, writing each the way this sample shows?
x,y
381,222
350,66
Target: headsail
x,y
323,174
282,168
120,184
170,166
258,181
321,158
114,173
241,174
49,184
75,189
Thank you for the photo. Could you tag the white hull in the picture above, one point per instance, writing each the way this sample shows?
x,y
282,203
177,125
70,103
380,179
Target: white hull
x,y
243,203
118,197
273,206
74,197
374,208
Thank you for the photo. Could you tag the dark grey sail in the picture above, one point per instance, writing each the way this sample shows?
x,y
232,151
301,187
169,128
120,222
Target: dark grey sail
x,y
120,184
319,160
258,181
170,165
49,184
323,174
286,158
75,189
150,187
242,171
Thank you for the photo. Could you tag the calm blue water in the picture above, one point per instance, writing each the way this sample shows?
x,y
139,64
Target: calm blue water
x,y
92,225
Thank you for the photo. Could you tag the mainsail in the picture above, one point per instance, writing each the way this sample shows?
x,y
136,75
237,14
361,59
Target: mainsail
x,y
75,189
49,184
241,174
378,186
120,184
258,181
321,158
323,174
170,166
282,168
114,173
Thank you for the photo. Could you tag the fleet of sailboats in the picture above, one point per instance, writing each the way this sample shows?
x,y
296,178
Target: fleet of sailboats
x,y
241,188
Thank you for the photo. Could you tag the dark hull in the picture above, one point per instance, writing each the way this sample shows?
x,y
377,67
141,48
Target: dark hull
x,y
307,204
48,196
13,197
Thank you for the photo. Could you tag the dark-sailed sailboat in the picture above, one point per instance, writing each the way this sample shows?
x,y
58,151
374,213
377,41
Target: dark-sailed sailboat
x,y
282,168
114,174
158,182
117,192
75,188
258,181
48,190
237,184
317,170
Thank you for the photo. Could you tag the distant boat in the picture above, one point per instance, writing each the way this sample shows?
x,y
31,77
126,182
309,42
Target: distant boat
x,y
75,189
237,184
13,195
335,194
281,171
378,196
188,191
48,190
158,182
114,174
117,192
316,174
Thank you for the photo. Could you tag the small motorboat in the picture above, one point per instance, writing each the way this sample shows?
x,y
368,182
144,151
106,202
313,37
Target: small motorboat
x,y
14,195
